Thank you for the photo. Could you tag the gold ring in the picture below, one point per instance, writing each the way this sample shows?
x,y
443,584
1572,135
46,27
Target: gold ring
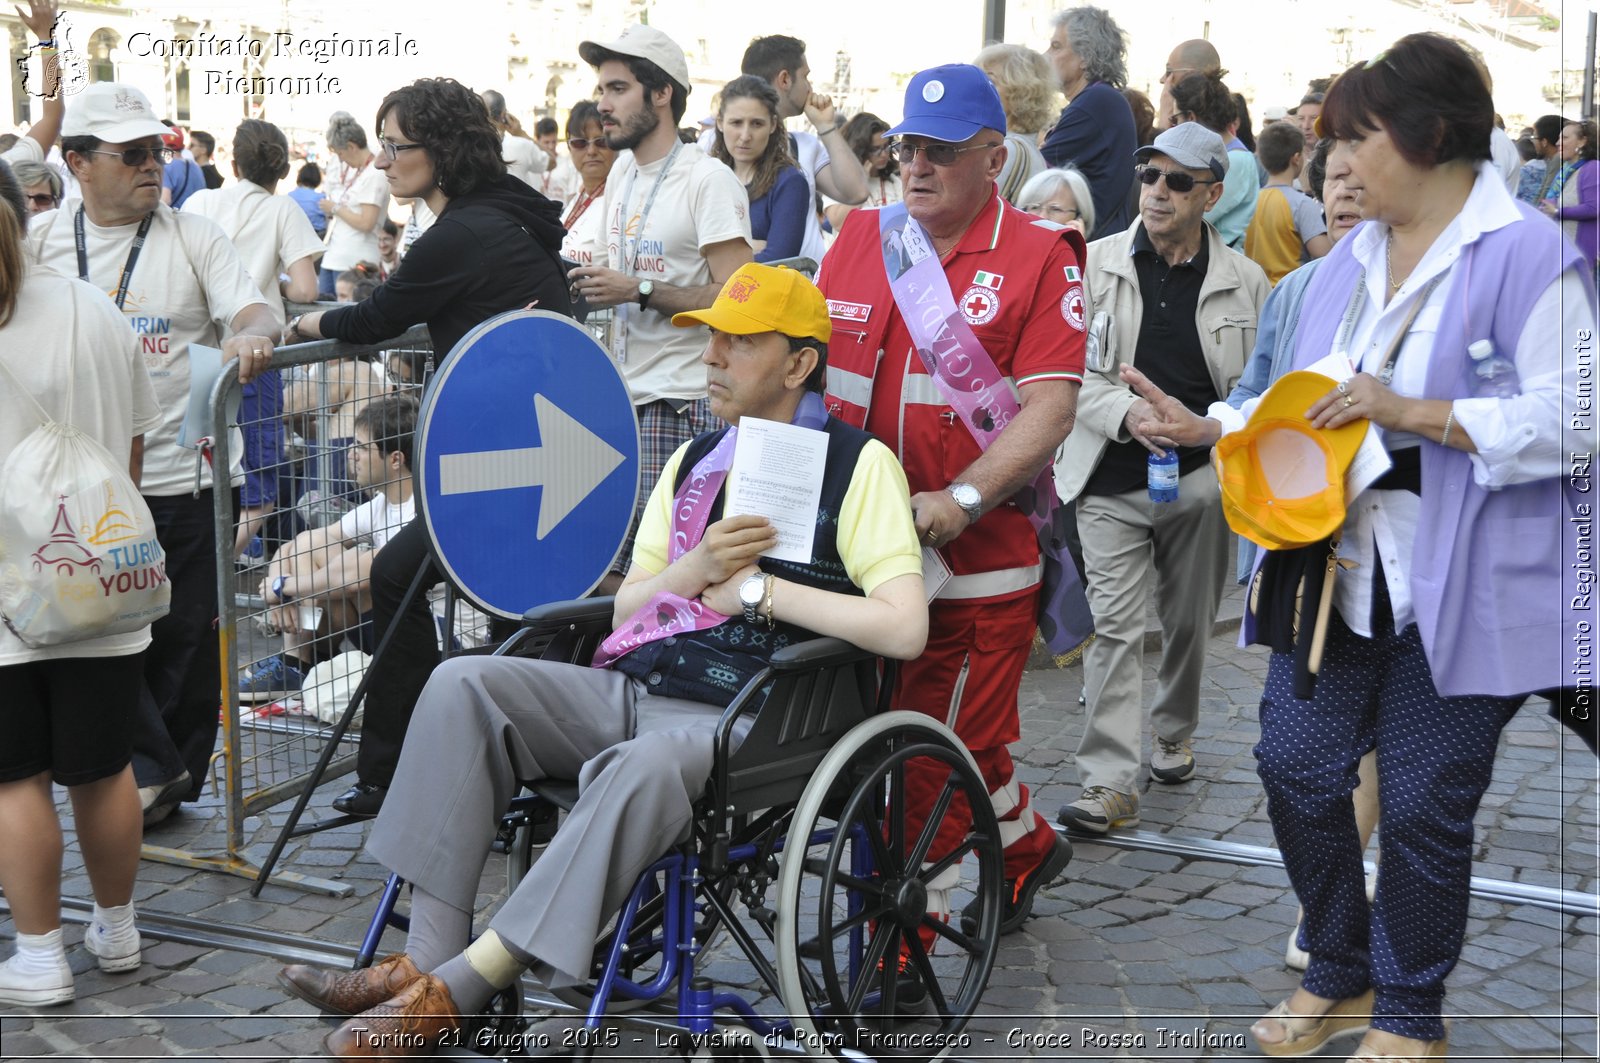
x,y
1349,400
931,536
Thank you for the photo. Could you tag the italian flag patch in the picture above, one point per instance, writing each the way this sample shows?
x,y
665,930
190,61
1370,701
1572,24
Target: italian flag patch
x,y
1072,273
987,280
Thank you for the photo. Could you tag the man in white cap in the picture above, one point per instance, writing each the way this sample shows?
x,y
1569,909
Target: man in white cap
x,y
676,226
1171,298
178,281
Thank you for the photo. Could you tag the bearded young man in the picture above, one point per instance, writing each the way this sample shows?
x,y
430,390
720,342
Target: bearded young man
x,y
677,225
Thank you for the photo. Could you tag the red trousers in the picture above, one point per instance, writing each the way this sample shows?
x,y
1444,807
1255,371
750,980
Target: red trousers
x,y
967,678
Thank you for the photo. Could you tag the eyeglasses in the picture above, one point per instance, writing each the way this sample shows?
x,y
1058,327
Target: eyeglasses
x,y
881,149
938,154
391,149
1051,210
1177,180
585,143
42,199
137,157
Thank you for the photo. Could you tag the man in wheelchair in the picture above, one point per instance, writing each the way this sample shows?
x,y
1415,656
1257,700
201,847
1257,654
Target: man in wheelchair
x,y
701,612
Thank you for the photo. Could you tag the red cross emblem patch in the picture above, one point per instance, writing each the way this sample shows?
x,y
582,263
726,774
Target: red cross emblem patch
x,y
1072,307
979,305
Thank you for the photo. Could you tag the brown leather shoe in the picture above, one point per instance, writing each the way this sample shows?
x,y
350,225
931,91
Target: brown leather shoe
x,y
350,992
411,1024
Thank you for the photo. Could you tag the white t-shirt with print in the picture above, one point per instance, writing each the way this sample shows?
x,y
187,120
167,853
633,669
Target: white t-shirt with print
x,y
377,519
187,285
346,244
112,400
270,232
700,203
585,242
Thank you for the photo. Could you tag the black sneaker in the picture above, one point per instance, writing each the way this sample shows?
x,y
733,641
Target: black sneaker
x,y
1017,904
362,799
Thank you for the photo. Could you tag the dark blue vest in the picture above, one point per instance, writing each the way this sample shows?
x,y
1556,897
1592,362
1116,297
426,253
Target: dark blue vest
x,y
713,665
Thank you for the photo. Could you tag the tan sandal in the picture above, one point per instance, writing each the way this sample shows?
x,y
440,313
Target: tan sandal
x,y
1305,1034
1439,1049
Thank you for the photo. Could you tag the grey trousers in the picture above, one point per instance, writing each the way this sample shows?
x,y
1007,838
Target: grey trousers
x,y
483,725
1186,543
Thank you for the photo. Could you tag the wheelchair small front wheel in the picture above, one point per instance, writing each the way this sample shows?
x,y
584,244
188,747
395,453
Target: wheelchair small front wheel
x,y
893,838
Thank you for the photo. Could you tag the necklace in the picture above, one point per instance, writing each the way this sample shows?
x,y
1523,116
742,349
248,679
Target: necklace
x,y
582,205
1388,262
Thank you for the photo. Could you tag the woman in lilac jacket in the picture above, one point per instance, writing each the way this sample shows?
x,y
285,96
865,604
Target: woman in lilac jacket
x,y
1451,609
1574,199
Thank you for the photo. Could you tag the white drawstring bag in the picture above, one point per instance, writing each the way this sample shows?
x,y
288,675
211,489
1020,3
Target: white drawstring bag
x,y
79,557
327,688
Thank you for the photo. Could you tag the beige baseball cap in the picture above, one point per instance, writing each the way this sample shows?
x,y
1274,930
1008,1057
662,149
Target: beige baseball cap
x,y
115,113
642,42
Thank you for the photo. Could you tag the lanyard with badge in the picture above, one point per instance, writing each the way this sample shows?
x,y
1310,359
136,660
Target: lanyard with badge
x,y
121,295
630,245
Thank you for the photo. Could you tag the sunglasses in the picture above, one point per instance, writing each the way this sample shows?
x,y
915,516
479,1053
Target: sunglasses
x,y
137,157
42,199
938,154
391,149
1177,180
584,143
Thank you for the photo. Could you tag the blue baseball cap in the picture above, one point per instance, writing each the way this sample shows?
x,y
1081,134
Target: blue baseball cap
x,y
950,103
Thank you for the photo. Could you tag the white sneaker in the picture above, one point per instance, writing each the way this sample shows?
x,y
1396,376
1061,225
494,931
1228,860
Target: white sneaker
x,y
30,989
115,953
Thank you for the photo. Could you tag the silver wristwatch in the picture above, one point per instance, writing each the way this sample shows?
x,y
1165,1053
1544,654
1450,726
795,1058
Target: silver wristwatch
x,y
646,289
968,498
751,590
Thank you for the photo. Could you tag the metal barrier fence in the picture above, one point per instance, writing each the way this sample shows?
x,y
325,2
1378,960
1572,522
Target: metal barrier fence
x,y
293,432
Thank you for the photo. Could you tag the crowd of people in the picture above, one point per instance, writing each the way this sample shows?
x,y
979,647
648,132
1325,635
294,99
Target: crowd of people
x,y
1130,281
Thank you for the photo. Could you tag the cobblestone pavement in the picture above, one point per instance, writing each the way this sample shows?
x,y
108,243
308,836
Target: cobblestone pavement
x,y
1133,955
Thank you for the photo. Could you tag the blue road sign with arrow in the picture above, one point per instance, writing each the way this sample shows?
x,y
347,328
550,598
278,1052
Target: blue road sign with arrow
x,y
527,462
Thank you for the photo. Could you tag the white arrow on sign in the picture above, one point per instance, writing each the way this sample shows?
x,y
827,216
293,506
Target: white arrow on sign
x,y
569,464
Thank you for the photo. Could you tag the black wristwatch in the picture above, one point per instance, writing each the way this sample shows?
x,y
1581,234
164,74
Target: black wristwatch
x,y
646,289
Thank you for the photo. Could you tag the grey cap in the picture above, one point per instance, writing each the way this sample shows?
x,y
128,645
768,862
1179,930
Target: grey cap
x,y
1191,145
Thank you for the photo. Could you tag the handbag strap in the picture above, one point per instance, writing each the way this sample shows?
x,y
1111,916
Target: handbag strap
x,y
1385,371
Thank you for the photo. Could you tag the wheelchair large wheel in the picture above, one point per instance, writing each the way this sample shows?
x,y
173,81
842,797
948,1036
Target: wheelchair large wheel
x,y
859,896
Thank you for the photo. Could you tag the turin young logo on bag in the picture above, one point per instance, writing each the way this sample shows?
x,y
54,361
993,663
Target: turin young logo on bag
x,y
135,566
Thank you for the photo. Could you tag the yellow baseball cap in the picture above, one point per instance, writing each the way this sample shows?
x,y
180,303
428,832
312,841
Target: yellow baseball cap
x,y
760,298
1282,480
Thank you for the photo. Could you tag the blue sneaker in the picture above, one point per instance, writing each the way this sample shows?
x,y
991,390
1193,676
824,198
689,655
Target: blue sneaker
x,y
269,679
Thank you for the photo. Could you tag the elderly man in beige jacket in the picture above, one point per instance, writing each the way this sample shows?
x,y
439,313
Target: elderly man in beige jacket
x,y
1168,296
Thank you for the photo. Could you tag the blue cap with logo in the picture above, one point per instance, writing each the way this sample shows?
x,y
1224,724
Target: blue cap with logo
x,y
950,103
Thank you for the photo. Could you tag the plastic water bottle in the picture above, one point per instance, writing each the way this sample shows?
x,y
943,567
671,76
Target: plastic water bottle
x,y
1162,474
1493,375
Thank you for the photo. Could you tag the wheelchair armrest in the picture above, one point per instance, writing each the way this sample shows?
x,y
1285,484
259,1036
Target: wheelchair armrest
x,y
818,653
580,613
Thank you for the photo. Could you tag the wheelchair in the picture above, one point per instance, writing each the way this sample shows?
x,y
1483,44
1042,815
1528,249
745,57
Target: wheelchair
x,y
802,862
